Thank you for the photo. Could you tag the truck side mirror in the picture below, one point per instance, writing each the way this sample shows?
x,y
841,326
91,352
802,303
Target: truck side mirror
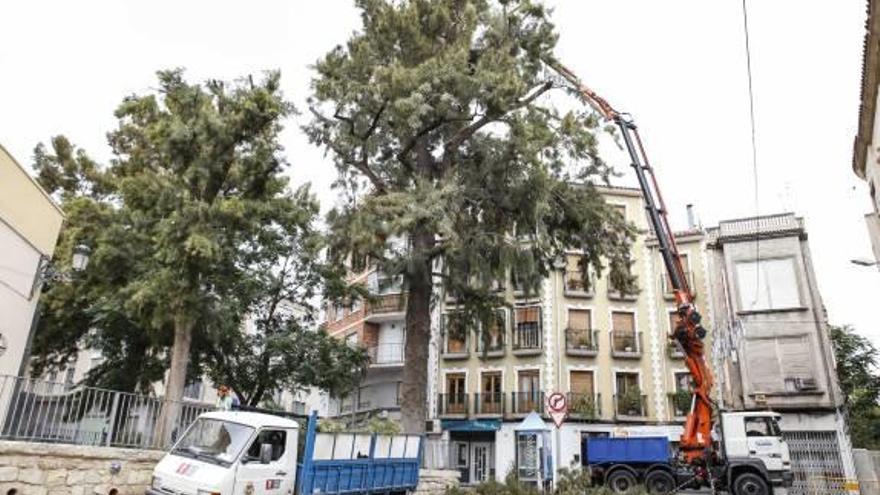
x,y
265,453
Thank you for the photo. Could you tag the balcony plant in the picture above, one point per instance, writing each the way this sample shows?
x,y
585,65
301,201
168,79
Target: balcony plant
x,y
584,406
681,401
630,402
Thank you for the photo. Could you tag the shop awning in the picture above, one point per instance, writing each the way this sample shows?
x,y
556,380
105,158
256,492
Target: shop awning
x,y
471,424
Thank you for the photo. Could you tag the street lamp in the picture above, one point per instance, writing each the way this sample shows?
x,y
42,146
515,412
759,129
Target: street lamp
x,y
47,271
864,262
80,257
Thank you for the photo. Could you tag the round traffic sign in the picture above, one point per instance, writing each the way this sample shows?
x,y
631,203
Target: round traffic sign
x,y
557,402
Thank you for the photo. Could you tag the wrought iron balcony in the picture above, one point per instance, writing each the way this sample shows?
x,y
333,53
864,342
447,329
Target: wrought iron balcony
x,y
386,355
453,405
625,344
489,404
581,342
527,338
630,407
584,406
525,402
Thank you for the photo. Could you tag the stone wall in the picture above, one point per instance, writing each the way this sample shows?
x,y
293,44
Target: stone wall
x,y
49,469
436,481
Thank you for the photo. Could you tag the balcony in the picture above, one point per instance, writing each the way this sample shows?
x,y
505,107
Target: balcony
x,y
523,403
527,339
386,355
630,407
626,345
616,294
673,350
666,285
581,342
492,348
576,286
491,404
680,404
584,406
452,405
386,307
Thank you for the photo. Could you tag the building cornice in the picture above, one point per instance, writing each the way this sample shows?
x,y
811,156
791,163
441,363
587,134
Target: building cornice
x,y
870,80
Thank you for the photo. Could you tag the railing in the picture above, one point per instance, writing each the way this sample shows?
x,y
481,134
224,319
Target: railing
x,y
680,403
630,406
526,402
489,404
674,350
617,294
527,337
576,285
452,404
584,406
386,354
388,303
581,341
41,411
626,344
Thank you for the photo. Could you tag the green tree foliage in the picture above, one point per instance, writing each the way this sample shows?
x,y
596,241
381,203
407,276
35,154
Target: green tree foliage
x,y
435,118
188,225
857,372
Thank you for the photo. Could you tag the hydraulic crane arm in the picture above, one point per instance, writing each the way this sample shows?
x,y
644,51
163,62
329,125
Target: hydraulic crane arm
x,y
696,441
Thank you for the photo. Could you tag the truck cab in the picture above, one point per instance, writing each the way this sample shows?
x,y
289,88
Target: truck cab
x,y
753,447
230,452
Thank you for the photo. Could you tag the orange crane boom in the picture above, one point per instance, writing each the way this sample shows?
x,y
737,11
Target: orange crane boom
x,y
696,440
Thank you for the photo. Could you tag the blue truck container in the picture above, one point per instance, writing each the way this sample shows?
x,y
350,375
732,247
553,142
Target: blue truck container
x,y
629,450
381,470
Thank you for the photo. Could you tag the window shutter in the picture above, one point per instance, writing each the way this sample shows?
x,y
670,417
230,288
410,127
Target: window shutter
x,y
763,366
581,382
623,322
579,319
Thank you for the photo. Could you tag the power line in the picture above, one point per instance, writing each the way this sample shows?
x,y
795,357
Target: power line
x,y
754,146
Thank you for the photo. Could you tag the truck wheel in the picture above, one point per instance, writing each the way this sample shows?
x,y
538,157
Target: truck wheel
x,y
621,481
750,484
659,482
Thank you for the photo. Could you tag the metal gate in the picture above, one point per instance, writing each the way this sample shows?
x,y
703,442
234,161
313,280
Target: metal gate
x,y
815,463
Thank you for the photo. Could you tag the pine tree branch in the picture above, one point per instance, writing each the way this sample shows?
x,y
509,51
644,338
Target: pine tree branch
x,y
362,164
466,132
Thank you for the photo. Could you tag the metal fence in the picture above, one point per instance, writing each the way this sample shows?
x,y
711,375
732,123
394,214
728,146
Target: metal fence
x,y
815,463
51,412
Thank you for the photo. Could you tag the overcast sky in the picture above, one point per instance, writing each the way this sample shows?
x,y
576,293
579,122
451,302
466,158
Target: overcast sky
x,y
678,66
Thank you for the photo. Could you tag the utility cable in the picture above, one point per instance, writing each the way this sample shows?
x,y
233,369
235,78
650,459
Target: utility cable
x,y
754,153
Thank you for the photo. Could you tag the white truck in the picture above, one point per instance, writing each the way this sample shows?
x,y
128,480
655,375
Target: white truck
x,y
250,453
754,460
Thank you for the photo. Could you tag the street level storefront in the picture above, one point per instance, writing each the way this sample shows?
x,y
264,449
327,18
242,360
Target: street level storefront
x,y
472,448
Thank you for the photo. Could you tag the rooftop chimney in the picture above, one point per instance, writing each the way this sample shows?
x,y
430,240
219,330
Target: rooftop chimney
x,y
692,223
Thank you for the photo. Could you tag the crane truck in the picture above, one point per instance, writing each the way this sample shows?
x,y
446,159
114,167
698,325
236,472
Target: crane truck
x,y
747,455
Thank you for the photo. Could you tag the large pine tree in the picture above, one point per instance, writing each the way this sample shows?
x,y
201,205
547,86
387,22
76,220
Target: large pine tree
x,y
436,118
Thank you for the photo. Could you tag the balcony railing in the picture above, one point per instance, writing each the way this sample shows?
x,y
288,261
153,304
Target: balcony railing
x,y
526,402
386,354
630,406
453,405
387,304
581,342
674,350
584,406
666,285
625,344
527,338
490,404
619,295
680,403
575,285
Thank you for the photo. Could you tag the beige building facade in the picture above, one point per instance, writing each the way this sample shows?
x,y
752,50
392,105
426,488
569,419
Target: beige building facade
x,y
866,148
30,222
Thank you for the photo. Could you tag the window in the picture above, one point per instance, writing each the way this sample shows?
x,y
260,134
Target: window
x,y
493,338
767,284
685,267
674,320
528,397
68,376
455,393
491,396
575,281
682,381
627,382
455,333
276,438
528,328
762,426
579,334
781,364
623,332
581,382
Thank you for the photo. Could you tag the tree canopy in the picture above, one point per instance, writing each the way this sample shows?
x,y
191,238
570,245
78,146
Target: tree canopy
x,y
858,372
435,115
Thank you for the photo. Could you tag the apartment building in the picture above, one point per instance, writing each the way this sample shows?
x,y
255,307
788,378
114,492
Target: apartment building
x,y
772,344
30,222
605,349
865,162
378,326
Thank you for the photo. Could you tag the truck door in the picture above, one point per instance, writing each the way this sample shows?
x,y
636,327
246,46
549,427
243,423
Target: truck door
x,y
764,440
275,477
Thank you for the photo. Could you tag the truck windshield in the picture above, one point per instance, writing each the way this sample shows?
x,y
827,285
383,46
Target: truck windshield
x,y
214,441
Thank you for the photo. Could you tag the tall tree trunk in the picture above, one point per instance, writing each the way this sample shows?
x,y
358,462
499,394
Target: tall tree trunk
x,y
413,400
176,380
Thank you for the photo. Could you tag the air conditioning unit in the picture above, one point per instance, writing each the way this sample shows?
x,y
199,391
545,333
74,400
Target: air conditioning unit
x,y
806,384
760,399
